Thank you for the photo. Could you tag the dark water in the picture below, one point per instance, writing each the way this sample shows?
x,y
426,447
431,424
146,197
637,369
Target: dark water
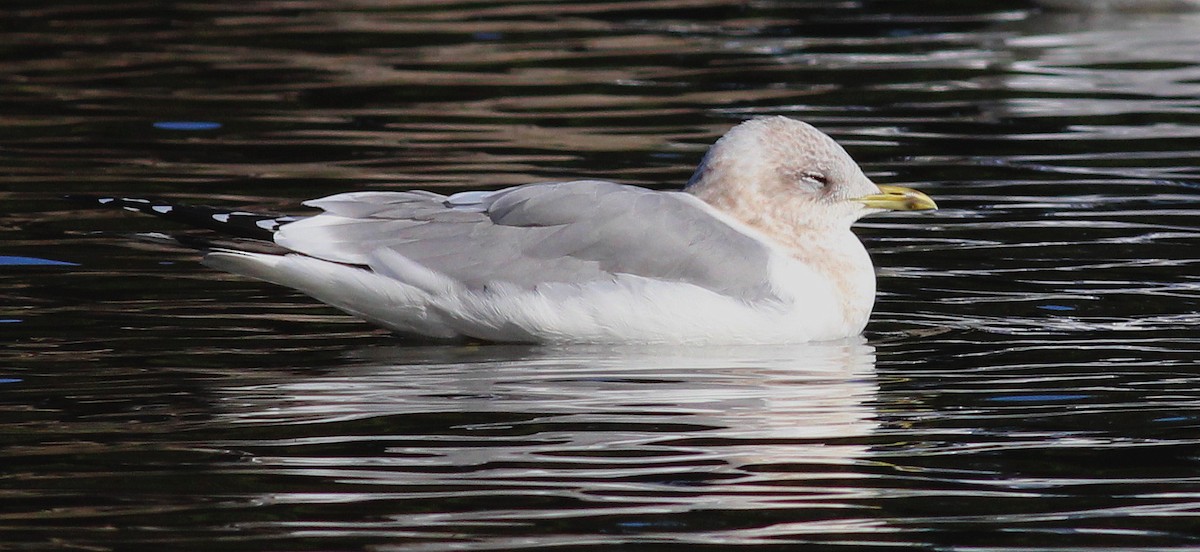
x,y
1029,380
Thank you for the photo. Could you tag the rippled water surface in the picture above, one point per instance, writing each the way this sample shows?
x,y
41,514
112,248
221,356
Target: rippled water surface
x,y
1029,379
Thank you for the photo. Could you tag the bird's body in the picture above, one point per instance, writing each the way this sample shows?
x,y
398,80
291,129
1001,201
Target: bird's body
x,y
756,249
465,276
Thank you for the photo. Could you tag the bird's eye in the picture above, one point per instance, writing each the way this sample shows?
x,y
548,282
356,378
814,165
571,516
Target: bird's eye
x,y
816,179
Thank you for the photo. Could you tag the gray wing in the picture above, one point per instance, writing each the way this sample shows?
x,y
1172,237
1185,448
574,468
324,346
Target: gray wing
x,y
572,232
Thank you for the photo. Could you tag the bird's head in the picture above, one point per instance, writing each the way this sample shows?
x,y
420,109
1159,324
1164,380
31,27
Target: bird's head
x,y
780,167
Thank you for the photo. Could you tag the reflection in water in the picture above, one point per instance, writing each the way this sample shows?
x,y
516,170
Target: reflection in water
x,y
1108,65
1122,5
614,432
1081,223
1033,382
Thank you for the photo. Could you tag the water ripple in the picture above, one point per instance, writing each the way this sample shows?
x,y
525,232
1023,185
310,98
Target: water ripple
x,y
1028,379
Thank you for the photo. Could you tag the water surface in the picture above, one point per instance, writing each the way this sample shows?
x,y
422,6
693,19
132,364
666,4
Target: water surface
x,y
1028,380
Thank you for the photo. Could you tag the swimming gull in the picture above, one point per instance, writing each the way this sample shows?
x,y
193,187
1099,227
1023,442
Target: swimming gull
x,y
757,248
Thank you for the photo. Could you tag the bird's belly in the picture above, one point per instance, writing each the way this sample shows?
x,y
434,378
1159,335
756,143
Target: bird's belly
x,y
641,310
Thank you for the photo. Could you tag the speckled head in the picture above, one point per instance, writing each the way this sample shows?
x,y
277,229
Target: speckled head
x,y
781,168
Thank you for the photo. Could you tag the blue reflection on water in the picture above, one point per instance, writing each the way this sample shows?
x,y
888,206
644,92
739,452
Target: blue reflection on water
x,y
13,260
187,125
1037,398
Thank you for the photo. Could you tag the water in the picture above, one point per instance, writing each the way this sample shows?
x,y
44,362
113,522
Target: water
x,y
1029,379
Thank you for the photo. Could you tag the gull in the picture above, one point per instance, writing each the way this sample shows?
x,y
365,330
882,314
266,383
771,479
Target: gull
x,y
757,248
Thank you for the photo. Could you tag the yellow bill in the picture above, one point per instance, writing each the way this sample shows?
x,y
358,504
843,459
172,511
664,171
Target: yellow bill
x,y
897,198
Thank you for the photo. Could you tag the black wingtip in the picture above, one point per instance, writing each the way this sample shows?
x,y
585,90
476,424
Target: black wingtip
x,y
88,199
242,224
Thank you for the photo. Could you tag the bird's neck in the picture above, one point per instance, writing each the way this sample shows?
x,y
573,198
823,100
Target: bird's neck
x,y
774,218
834,252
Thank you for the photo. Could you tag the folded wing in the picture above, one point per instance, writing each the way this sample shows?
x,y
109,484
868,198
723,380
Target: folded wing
x,y
525,236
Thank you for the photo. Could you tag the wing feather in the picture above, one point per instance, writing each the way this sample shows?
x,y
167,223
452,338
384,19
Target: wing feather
x,y
570,232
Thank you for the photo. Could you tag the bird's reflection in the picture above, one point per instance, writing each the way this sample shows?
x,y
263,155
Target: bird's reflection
x,y
616,430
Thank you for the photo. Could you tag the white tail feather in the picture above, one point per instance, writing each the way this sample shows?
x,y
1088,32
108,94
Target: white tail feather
x,y
357,291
